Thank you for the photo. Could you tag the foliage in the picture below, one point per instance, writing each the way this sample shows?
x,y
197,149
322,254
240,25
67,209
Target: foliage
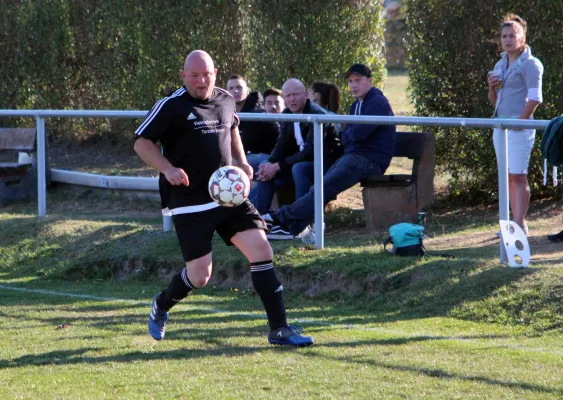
x,y
88,54
451,48
314,41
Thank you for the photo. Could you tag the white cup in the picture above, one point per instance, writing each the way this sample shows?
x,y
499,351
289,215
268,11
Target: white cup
x,y
497,76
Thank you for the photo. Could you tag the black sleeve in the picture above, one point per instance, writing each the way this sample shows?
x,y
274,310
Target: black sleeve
x,y
271,133
157,120
277,152
306,154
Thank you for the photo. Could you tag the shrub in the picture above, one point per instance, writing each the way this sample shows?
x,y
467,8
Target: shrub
x,y
87,54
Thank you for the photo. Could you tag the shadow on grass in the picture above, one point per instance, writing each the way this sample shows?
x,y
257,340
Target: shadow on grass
x,y
442,374
354,270
81,357
183,329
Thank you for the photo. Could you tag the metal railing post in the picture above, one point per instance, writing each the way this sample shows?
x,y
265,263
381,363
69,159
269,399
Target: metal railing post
x,y
503,193
319,188
41,169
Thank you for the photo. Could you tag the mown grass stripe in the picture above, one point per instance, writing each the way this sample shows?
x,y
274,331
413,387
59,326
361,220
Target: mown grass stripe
x,y
299,320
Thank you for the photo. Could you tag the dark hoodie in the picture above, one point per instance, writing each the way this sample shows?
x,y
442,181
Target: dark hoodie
x,y
376,142
257,136
286,153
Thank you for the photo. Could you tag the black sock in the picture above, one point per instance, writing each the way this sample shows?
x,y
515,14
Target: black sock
x,y
180,287
270,290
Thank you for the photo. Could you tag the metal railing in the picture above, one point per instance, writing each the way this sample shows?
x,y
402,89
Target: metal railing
x,y
317,120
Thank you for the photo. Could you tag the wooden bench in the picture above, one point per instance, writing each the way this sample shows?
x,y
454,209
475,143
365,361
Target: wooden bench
x,y
395,198
18,180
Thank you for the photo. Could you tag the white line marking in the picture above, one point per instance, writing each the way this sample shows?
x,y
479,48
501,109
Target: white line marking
x,y
301,320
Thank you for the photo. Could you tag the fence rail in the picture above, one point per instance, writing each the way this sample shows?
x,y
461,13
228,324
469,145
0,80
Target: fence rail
x,y
317,120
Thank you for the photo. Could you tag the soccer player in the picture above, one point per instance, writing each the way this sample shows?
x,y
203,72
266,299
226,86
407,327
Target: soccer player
x,y
197,127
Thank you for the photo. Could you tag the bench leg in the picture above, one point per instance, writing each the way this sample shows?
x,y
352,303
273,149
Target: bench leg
x,y
386,206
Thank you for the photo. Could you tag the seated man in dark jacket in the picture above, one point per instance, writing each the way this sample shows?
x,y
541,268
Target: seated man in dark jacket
x,y
258,137
368,150
291,162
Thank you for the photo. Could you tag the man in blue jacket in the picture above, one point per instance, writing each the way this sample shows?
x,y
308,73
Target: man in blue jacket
x,y
368,150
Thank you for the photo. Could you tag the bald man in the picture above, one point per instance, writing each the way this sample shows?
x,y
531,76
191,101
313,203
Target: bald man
x,y
197,127
291,161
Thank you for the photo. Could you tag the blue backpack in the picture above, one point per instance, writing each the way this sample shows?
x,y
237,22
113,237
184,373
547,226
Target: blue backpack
x,y
406,240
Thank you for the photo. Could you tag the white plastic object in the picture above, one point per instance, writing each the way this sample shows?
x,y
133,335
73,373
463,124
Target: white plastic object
x,y
24,158
515,243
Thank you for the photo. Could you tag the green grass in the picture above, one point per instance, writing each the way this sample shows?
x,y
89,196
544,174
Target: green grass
x,y
215,348
384,326
396,90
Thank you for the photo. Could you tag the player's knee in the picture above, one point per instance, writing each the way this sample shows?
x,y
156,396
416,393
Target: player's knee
x,y
199,281
199,273
264,250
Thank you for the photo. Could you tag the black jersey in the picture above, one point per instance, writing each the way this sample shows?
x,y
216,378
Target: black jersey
x,y
196,136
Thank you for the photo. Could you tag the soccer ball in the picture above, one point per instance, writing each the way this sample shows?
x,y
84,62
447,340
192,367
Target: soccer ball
x,y
229,186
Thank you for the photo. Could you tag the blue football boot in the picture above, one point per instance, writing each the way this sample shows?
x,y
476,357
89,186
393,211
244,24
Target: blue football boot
x,y
289,336
157,321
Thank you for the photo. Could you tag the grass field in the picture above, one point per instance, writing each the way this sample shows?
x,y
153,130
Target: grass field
x,y
76,287
215,348
384,327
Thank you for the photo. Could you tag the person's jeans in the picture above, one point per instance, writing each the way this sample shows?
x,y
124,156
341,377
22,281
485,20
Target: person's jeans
x,y
256,159
262,194
303,174
303,177
344,173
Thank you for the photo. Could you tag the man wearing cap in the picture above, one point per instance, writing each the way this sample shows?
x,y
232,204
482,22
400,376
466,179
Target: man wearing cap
x,y
368,150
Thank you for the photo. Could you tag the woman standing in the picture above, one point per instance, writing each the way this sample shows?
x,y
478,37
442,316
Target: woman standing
x,y
515,90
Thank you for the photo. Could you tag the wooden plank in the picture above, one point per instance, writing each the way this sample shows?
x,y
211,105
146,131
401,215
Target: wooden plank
x,y
7,169
17,138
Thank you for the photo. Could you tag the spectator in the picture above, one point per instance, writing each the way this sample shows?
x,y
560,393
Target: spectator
x,y
326,95
273,101
367,151
294,150
258,137
515,90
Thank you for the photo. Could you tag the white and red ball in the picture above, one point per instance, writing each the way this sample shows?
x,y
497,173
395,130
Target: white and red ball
x,y
229,186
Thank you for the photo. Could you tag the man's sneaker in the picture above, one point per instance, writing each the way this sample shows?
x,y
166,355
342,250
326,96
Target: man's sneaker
x,y
276,232
556,238
270,219
157,321
290,336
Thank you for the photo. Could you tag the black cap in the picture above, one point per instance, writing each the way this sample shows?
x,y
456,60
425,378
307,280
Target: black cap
x,y
359,69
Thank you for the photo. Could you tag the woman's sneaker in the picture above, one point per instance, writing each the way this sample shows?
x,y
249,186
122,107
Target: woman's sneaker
x,y
290,336
157,321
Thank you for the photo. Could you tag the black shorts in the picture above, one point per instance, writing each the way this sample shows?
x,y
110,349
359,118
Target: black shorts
x,y
195,230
